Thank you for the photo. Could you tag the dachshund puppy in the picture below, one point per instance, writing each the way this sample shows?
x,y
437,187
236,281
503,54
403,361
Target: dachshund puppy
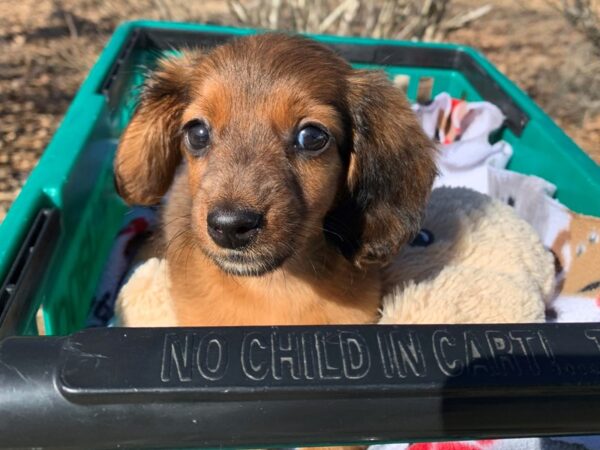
x,y
293,179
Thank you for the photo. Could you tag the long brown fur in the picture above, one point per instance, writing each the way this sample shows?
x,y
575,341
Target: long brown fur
x,y
331,221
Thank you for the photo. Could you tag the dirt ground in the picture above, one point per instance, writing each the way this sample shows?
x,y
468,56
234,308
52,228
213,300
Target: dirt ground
x,y
49,45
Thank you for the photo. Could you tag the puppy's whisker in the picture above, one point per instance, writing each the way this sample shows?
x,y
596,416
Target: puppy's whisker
x,y
343,226
339,236
311,227
178,252
185,217
190,249
175,239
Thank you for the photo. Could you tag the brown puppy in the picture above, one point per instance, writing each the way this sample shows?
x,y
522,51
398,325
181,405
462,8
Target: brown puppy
x,y
299,178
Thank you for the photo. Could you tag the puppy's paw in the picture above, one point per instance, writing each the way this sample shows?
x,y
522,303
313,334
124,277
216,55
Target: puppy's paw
x,y
376,253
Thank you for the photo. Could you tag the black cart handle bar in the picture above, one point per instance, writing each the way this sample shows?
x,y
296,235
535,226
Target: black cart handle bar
x,y
284,386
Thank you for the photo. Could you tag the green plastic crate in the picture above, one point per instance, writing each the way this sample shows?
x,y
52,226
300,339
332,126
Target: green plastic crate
x,y
71,191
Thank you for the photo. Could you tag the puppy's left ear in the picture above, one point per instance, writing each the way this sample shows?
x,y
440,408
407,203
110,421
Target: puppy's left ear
x,y
391,170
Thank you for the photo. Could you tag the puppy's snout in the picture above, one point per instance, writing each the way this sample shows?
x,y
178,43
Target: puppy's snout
x,y
233,228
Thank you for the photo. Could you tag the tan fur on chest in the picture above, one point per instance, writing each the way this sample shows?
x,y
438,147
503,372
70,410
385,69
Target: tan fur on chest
x,y
210,298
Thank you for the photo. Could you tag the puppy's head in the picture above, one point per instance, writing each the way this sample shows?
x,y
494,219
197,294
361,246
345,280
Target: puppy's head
x,y
283,143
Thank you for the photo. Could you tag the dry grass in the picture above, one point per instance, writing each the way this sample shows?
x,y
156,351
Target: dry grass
x,y
392,19
584,75
584,16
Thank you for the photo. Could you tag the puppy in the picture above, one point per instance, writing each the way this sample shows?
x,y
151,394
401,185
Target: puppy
x,y
293,179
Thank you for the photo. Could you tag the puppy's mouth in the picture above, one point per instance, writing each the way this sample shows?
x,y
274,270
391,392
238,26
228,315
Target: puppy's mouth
x,y
242,264
265,250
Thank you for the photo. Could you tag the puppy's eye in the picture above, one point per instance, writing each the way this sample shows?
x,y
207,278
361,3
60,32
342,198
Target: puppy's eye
x,y
311,139
197,135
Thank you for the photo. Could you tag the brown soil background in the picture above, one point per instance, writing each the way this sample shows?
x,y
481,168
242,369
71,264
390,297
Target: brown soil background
x,y
48,46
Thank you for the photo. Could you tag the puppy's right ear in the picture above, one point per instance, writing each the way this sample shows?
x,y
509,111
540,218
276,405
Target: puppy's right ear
x,y
149,150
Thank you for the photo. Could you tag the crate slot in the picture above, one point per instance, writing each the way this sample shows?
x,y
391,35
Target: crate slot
x,y
424,89
27,270
402,82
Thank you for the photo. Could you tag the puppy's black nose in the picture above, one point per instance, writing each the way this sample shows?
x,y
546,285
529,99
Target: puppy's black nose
x,y
233,228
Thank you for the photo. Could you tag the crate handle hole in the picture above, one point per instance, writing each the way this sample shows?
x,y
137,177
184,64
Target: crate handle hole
x,y
402,82
424,89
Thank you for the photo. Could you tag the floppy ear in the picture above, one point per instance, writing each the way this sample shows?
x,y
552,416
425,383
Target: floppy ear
x,y
391,168
149,150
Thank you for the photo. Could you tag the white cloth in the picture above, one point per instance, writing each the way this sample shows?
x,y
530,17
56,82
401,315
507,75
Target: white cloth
x,y
531,198
576,308
464,161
